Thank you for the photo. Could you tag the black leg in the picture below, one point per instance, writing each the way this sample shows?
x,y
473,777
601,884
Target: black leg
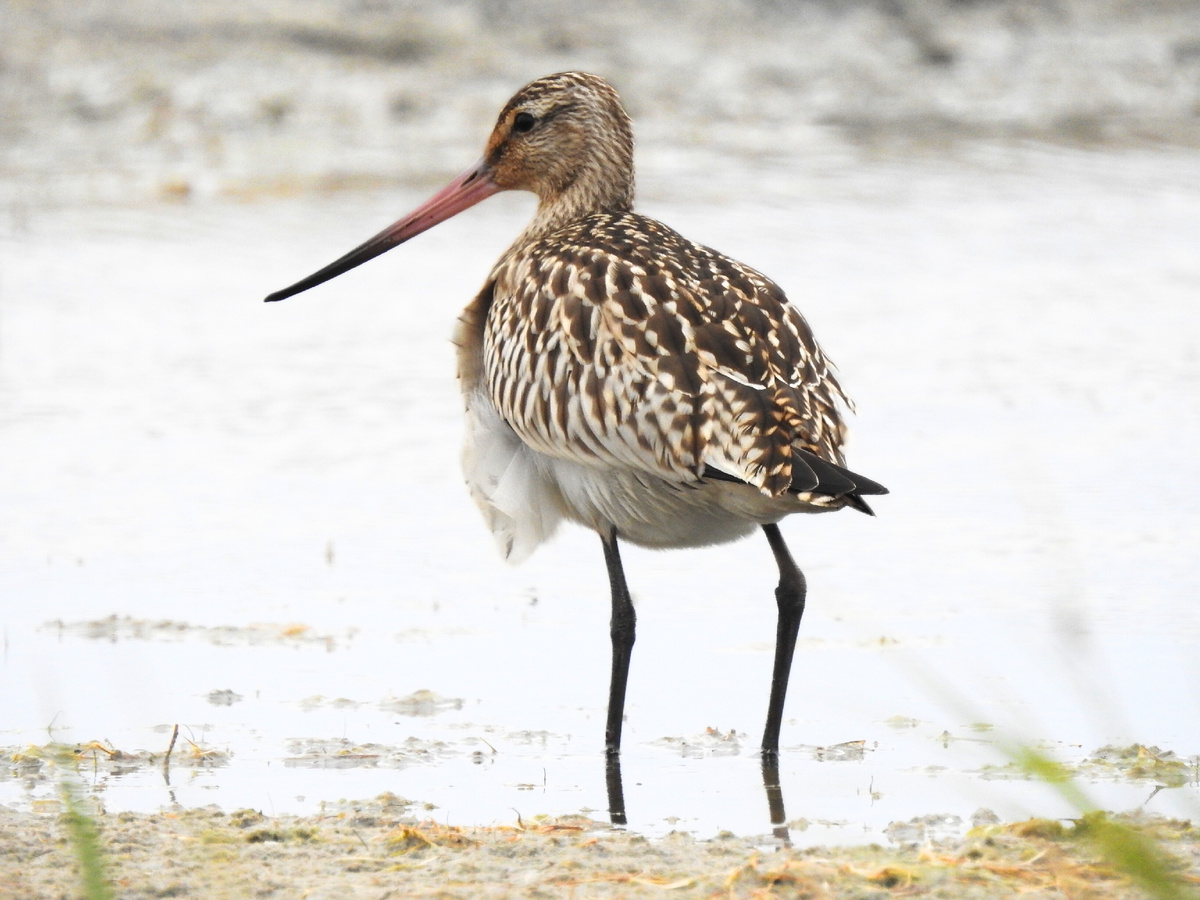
x,y
622,628
616,793
790,598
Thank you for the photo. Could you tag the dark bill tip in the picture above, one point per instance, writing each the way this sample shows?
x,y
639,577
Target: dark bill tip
x,y
465,191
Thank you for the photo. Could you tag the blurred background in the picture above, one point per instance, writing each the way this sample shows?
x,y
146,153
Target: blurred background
x,y
129,102
249,520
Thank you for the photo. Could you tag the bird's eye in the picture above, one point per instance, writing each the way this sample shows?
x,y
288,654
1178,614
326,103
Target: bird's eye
x,y
523,122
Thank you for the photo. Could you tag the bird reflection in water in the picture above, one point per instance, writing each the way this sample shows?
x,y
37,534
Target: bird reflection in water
x,y
770,776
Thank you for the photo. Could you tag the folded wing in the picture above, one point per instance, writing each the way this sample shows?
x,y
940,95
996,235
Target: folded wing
x,y
617,341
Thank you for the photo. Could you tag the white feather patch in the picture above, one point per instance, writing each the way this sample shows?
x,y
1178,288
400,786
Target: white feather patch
x,y
520,504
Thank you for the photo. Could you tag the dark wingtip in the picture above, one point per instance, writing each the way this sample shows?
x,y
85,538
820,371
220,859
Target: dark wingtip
x,y
718,475
832,479
859,503
865,485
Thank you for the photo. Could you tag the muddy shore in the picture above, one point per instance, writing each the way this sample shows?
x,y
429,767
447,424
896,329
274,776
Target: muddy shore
x,y
375,850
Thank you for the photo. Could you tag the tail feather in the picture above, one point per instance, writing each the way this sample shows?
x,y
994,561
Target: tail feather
x,y
811,474
859,503
804,476
861,483
832,480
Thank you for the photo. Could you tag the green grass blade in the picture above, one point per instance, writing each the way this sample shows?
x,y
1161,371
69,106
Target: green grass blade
x,y
84,839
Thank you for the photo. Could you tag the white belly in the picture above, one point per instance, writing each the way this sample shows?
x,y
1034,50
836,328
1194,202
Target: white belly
x,y
524,494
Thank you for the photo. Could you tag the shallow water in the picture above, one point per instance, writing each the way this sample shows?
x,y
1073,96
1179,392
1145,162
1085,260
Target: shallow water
x,y
1018,326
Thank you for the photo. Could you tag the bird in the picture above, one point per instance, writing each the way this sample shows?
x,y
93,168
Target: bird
x,y
619,376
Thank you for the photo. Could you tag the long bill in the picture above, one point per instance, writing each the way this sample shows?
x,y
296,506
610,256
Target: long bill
x,y
463,192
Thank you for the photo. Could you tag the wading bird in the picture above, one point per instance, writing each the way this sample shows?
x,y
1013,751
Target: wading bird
x,y
620,376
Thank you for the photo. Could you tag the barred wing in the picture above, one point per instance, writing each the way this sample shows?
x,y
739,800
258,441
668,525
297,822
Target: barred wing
x,y
617,341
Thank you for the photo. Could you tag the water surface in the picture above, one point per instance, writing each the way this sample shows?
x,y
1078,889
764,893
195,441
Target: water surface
x,y
1019,327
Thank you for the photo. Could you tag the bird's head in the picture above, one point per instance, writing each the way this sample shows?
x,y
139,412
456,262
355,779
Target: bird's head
x,y
564,137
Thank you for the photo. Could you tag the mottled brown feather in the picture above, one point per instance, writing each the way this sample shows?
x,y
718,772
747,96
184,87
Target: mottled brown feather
x,y
635,346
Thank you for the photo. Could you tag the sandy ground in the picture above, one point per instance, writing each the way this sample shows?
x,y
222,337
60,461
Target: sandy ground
x,y
373,850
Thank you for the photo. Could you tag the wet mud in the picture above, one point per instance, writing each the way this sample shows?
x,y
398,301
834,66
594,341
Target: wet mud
x,y
381,848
